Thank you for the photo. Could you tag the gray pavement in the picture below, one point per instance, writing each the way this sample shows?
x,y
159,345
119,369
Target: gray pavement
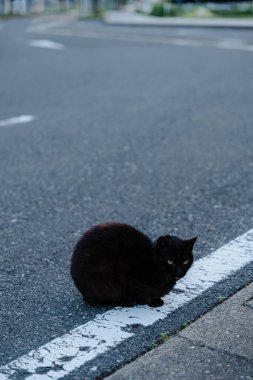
x,y
131,18
219,345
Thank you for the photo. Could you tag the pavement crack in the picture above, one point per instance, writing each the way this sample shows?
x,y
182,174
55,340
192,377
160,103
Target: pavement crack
x,y
218,350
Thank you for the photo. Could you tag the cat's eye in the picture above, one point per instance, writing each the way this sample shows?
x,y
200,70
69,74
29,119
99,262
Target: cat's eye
x,y
185,262
170,262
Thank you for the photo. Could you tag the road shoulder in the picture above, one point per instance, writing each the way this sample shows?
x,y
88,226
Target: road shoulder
x,y
217,345
130,18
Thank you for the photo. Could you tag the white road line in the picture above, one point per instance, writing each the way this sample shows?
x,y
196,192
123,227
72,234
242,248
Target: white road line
x,y
46,44
228,43
64,354
17,120
234,45
38,26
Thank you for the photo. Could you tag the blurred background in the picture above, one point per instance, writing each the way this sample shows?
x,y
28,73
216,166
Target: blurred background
x,y
172,8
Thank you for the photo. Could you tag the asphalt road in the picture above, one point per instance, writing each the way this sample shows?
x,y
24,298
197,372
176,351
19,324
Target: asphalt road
x,y
126,128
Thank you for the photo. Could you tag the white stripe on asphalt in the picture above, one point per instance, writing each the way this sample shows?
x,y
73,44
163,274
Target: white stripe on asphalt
x,y
38,26
228,43
70,351
17,120
46,44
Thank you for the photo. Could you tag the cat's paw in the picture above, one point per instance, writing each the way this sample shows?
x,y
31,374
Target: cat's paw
x,y
156,302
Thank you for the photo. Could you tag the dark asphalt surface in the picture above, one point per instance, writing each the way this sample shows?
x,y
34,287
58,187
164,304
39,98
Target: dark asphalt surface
x,y
156,136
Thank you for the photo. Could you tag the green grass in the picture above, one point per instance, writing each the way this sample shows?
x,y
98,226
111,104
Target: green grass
x,y
94,16
234,13
164,9
222,299
8,16
162,339
47,11
59,10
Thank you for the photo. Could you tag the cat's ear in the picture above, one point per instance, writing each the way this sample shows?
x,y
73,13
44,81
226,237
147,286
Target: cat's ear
x,y
190,242
162,243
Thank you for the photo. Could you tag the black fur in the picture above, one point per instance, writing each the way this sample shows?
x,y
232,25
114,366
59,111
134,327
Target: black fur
x,y
115,264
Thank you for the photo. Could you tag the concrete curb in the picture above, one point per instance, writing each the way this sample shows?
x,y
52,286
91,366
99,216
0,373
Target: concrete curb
x,y
135,19
218,345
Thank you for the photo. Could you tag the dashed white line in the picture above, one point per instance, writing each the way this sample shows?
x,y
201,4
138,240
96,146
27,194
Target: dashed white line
x,y
70,351
46,44
227,43
17,120
234,45
38,26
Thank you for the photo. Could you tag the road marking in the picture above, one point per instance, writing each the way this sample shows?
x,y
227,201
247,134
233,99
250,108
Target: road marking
x,y
38,25
17,120
226,43
46,44
62,355
234,44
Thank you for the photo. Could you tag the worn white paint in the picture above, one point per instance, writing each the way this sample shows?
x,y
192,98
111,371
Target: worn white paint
x,y
17,120
46,44
225,43
70,351
40,25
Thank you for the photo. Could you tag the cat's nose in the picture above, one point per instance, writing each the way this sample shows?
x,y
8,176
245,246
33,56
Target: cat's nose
x,y
179,274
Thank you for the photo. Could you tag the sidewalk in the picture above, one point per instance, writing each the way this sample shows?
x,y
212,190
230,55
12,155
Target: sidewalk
x,y
219,345
134,19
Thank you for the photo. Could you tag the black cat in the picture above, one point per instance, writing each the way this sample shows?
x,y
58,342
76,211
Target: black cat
x,y
115,264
